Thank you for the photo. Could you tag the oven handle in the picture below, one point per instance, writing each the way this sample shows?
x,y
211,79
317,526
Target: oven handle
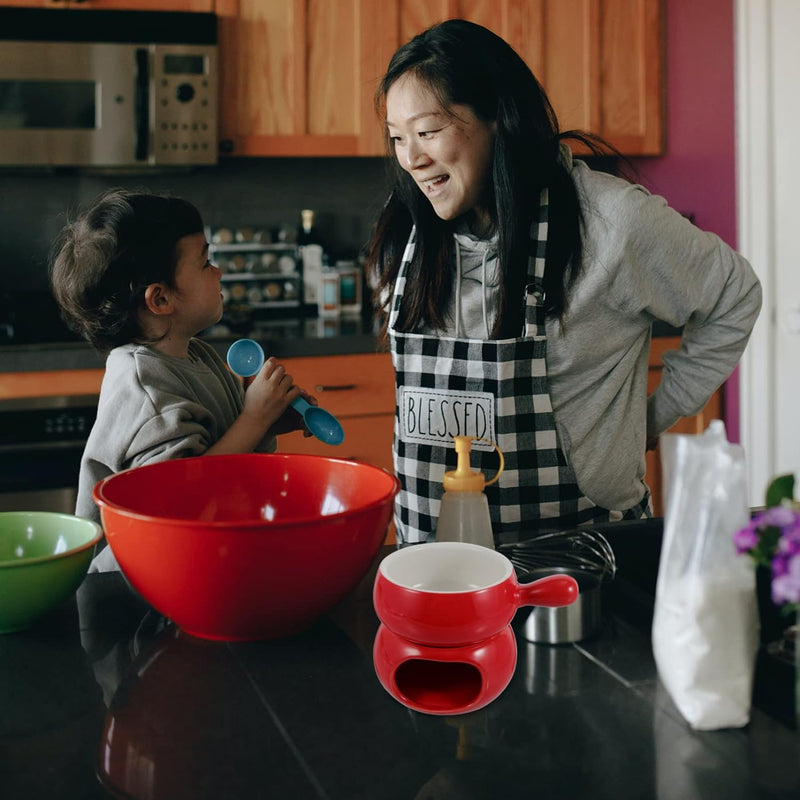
x,y
142,104
27,447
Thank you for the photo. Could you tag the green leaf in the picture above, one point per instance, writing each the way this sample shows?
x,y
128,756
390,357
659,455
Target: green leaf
x,y
781,488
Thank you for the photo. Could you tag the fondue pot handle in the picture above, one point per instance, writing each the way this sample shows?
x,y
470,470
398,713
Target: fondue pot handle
x,y
551,591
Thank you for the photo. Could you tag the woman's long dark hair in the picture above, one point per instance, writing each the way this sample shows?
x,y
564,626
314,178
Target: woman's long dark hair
x,y
465,64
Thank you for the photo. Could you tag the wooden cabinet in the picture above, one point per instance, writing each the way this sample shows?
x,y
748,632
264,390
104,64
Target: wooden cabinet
x,y
714,409
298,77
118,5
359,391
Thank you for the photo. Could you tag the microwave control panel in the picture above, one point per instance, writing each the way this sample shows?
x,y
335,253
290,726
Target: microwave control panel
x,y
184,104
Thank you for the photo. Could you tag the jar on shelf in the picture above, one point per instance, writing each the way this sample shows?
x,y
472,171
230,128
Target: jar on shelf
x,y
329,303
272,290
269,262
349,288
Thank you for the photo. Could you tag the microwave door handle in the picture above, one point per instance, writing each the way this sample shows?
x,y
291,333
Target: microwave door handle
x,y
142,105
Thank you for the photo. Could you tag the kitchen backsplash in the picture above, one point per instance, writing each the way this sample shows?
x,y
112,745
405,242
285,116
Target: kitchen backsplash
x,y
346,194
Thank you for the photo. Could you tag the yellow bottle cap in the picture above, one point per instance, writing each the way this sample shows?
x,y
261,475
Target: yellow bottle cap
x,y
462,478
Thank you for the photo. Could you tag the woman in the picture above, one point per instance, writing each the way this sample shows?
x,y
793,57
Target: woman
x,y
520,288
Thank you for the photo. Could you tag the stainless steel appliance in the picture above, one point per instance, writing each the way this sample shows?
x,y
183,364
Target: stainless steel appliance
x,y
41,442
107,88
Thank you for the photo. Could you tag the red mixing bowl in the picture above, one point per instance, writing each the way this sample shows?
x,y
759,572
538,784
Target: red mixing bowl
x,y
242,547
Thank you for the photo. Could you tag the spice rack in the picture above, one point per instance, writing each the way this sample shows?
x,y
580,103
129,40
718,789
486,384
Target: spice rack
x,y
258,275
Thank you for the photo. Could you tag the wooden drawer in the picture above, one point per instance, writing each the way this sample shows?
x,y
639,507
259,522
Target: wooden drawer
x,y
359,390
50,383
367,439
347,386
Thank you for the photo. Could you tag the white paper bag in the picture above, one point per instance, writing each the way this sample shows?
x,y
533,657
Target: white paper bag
x,y
705,624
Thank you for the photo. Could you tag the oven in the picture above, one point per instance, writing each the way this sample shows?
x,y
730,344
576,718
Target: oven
x,y
41,443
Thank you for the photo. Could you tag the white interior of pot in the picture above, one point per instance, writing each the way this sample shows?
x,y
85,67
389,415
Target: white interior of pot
x,y
446,567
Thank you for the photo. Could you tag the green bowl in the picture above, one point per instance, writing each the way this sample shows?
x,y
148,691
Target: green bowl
x,y
44,557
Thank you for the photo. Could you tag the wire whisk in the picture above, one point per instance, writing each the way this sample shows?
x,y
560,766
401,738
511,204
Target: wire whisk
x,y
581,549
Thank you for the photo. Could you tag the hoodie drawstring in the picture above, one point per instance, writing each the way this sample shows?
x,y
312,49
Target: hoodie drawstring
x,y
458,289
483,290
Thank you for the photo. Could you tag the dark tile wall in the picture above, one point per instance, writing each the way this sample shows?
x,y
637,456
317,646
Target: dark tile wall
x,y
346,193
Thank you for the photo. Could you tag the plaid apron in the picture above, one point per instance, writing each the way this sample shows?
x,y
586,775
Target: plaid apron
x,y
496,390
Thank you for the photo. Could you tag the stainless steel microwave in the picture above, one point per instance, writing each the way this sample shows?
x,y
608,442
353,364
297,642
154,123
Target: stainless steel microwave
x,y
107,88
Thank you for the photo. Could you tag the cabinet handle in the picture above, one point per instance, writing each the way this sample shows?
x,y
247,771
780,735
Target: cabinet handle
x,y
341,387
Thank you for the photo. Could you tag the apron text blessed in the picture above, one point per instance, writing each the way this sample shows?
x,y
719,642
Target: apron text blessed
x,y
435,416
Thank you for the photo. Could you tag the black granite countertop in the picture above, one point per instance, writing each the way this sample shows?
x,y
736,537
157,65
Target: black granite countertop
x,y
106,687
301,337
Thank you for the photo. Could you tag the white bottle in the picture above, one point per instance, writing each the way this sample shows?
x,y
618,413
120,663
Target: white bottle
x,y
311,254
464,511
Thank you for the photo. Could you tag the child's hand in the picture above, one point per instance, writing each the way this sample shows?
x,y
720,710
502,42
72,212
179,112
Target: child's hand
x,y
269,395
292,420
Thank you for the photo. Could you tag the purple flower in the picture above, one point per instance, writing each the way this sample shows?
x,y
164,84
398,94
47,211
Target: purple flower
x,y
780,565
786,585
777,516
789,544
745,539
772,539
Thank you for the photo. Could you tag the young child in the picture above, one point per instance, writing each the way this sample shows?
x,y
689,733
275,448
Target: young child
x,y
132,276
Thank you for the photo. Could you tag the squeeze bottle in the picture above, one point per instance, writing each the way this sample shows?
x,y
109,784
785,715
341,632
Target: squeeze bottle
x,y
464,511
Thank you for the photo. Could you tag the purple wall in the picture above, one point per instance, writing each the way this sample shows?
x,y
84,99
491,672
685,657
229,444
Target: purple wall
x,y
697,174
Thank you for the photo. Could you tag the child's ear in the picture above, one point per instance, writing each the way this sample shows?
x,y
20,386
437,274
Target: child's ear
x,y
158,299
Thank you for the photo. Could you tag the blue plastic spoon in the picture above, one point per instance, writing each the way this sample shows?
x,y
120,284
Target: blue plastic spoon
x,y
245,358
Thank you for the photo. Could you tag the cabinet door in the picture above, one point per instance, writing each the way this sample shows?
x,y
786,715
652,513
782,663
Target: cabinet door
x,y
367,439
359,391
297,77
354,385
127,5
600,61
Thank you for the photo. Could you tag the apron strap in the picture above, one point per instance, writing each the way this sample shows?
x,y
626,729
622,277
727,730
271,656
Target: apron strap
x,y
534,290
400,283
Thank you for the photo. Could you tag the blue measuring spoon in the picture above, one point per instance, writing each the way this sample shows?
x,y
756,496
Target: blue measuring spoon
x,y
245,357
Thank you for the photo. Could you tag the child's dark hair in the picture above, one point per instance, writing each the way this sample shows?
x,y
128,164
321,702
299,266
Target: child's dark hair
x,y
104,260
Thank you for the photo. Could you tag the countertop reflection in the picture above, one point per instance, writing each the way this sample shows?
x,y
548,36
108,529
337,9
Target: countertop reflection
x,y
106,698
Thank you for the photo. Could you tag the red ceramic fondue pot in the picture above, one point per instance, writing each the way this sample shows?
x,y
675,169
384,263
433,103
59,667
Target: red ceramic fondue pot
x,y
446,594
444,680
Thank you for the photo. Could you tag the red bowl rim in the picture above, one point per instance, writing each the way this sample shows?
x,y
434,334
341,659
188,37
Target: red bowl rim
x,y
26,562
102,502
